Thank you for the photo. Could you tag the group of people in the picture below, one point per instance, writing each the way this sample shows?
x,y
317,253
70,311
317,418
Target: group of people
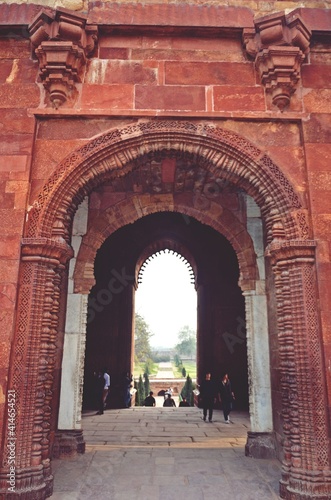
x,y
211,391
168,400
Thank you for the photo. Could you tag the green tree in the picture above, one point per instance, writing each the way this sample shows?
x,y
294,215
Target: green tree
x,y
146,384
177,360
140,394
187,391
142,337
184,371
187,342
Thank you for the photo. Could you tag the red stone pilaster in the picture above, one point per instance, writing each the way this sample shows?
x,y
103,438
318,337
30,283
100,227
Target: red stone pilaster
x,y
33,360
306,465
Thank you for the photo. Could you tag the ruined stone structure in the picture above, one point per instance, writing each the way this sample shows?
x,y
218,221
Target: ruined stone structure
x,y
130,128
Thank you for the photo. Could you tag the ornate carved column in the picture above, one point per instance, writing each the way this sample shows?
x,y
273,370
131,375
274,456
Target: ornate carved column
x,y
279,44
306,465
62,43
33,365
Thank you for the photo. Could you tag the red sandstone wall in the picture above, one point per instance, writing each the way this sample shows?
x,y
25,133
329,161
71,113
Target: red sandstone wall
x,y
18,91
138,76
316,80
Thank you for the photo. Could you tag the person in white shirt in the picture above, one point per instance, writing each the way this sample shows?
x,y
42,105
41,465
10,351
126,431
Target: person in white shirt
x,y
106,387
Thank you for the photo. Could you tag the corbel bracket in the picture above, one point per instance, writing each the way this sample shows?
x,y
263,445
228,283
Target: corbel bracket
x,y
61,42
280,44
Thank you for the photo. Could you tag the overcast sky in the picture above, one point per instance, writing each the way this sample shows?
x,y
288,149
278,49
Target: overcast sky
x,y
166,299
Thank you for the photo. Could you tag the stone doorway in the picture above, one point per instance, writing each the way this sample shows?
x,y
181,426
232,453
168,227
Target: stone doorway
x,y
193,162
221,346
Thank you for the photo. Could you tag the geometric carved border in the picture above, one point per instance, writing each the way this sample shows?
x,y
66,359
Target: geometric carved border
x,y
115,153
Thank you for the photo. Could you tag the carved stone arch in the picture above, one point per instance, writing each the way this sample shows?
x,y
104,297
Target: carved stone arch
x,y
117,152
35,355
226,223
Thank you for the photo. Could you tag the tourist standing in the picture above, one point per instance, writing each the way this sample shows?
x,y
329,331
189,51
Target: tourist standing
x,y
127,384
226,396
208,392
99,389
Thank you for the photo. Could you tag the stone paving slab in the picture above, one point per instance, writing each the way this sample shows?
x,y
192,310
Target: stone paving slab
x,y
174,455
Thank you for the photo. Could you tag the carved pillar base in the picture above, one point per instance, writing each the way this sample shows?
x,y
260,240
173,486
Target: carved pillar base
x,y
68,444
304,485
32,483
260,445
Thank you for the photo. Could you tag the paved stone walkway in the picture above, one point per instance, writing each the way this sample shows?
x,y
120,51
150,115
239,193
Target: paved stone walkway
x,y
165,371
165,454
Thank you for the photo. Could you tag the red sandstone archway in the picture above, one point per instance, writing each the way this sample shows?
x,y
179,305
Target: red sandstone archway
x,y
35,356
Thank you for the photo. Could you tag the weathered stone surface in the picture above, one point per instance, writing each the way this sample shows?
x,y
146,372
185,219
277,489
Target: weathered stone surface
x,y
317,101
117,72
19,96
234,98
172,98
316,77
107,97
317,129
208,74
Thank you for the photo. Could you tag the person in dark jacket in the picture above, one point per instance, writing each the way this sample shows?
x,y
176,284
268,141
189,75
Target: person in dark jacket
x,y
208,392
227,397
99,387
150,400
169,401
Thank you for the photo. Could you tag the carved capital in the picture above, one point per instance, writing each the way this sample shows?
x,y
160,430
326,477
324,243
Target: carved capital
x,y
279,45
61,43
288,252
44,249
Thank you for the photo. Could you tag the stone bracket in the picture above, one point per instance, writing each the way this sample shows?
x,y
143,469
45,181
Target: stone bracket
x,y
61,43
280,44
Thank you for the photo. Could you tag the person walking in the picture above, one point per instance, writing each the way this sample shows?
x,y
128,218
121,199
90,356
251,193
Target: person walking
x,y
208,392
150,400
106,387
226,396
169,401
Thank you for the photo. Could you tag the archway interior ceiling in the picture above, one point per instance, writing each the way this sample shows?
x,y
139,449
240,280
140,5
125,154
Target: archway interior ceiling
x,y
184,182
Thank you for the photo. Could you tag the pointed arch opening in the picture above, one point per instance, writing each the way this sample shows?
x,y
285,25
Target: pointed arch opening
x,y
188,165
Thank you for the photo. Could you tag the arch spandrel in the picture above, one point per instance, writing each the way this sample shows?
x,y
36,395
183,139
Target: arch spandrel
x,y
115,153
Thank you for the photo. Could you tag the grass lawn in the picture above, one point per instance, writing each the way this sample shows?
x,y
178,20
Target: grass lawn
x,y
139,368
190,367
